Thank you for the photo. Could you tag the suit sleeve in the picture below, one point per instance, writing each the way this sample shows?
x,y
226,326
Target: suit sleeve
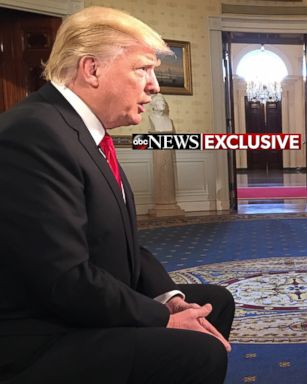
x,y
154,280
43,232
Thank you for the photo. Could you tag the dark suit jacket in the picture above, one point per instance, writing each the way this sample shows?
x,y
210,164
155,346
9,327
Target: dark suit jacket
x,y
69,248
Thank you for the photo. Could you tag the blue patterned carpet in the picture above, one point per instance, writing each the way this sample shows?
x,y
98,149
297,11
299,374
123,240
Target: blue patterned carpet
x,y
264,264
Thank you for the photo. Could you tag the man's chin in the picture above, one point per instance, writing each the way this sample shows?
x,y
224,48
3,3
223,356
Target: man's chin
x,y
125,123
135,120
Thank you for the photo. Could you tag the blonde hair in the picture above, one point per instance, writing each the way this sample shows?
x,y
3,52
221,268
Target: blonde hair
x,y
99,32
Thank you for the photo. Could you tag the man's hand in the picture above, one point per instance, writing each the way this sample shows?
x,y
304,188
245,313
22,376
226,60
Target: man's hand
x,y
177,304
194,319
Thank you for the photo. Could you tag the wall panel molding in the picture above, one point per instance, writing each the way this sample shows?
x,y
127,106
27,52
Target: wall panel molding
x,y
194,177
138,168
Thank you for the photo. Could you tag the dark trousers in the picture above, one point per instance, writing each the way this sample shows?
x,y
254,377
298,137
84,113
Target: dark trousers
x,y
137,355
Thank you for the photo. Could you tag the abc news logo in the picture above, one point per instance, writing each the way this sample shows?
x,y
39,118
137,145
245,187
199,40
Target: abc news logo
x,y
166,141
209,141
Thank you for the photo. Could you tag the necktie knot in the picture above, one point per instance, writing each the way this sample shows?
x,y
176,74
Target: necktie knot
x,y
107,143
107,146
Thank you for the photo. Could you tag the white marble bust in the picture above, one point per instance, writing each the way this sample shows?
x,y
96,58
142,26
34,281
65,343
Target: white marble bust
x,y
163,163
159,115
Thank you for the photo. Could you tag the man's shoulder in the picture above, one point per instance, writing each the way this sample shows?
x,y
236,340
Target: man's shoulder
x,y
34,104
39,106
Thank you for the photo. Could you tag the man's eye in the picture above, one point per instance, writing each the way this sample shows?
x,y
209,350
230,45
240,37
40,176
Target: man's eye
x,y
145,70
142,69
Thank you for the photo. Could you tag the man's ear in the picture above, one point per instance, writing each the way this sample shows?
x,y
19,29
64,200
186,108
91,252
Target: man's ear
x,y
88,67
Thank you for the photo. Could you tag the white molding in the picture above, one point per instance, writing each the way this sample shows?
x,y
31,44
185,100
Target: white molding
x,y
138,168
194,174
220,162
258,23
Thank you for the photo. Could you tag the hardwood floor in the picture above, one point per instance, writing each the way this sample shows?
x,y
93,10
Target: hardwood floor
x,y
271,178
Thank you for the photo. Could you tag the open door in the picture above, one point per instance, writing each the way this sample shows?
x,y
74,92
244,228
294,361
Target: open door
x,y
226,40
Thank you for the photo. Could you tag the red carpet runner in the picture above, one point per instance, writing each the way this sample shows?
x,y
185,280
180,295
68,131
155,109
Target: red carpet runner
x,y
272,193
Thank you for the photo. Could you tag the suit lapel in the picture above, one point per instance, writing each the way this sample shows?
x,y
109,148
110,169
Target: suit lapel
x,y
132,219
72,119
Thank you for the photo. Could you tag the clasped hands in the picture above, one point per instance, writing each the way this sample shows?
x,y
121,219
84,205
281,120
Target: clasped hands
x,y
192,317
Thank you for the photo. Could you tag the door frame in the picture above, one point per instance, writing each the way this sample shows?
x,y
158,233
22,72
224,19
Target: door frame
x,y
235,23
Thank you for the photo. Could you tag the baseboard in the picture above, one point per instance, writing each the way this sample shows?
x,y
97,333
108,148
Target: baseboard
x,y
285,170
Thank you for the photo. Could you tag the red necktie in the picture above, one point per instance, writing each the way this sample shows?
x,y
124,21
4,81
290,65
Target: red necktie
x,y
108,149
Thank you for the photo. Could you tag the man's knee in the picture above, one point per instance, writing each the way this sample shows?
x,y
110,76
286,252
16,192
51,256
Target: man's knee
x,y
223,295
210,361
203,359
228,299
179,357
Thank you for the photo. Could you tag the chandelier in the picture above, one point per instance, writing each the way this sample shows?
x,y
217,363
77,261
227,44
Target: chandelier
x,y
257,90
263,72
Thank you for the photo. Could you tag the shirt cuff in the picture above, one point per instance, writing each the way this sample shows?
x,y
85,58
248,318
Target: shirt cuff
x,y
165,297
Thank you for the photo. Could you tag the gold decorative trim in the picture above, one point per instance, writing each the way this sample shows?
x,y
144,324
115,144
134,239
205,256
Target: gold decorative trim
x,y
284,364
249,379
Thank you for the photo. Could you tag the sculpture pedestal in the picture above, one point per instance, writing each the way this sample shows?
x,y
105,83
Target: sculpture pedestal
x,y
164,186
167,210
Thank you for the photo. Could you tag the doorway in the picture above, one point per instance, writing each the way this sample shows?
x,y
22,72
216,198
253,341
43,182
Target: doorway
x,y
263,118
267,117
25,42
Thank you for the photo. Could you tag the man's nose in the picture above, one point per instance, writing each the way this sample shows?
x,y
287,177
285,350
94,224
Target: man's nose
x,y
152,85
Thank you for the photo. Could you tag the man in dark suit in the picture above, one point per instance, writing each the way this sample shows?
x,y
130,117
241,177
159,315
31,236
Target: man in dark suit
x,y
80,301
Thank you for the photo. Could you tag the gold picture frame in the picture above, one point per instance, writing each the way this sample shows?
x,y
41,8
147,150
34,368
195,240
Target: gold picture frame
x,y
174,74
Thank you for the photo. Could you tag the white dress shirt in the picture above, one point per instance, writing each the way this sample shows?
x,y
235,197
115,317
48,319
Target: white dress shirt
x,y
97,132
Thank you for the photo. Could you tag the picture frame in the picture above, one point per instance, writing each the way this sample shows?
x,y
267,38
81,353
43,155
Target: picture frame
x,y
174,74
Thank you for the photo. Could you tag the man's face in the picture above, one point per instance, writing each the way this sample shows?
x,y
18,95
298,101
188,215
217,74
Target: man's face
x,y
125,87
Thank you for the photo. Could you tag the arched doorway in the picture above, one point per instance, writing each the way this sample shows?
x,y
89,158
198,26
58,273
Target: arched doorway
x,y
274,29
262,70
269,98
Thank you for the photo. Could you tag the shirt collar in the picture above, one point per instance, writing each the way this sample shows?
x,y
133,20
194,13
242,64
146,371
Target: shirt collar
x,y
90,120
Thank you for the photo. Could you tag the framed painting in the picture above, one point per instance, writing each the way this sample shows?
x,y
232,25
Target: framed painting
x,y
174,74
